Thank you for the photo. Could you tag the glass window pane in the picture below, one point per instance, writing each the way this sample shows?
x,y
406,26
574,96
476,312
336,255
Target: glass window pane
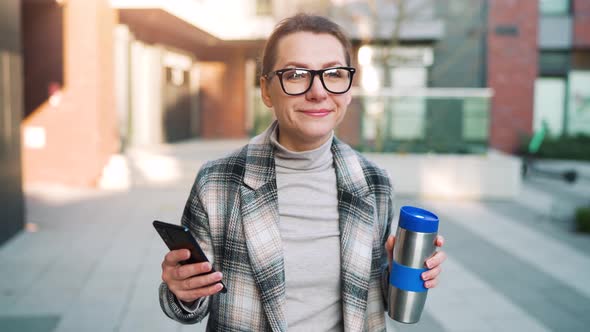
x,y
579,103
554,7
554,63
409,77
549,104
372,123
476,119
407,118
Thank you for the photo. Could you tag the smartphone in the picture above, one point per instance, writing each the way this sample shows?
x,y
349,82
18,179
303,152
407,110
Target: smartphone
x,y
179,237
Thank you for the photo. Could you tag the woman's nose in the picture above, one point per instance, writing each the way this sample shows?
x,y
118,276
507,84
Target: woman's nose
x,y
317,90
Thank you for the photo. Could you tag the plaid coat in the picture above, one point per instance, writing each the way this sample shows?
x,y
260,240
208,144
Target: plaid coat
x,y
233,213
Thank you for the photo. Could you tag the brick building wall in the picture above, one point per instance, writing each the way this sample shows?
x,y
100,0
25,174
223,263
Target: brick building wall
x,y
80,130
512,69
581,23
223,97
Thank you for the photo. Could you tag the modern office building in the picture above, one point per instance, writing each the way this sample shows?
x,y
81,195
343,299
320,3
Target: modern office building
x,y
465,74
421,75
458,75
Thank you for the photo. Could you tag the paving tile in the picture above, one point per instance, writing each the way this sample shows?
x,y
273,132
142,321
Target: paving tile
x,y
535,248
17,277
148,321
28,323
534,220
55,289
87,317
520,282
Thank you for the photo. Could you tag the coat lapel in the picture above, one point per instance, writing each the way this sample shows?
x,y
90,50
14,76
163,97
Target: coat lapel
x,y
260,217
356,207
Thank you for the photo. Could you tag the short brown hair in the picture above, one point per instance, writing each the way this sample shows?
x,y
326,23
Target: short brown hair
x,y
301,23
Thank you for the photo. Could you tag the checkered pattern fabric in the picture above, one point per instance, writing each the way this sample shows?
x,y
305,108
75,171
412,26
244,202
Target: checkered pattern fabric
x,y
233,213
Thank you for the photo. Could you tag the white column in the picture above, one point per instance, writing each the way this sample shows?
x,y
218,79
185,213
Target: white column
x,y
146,94
123,38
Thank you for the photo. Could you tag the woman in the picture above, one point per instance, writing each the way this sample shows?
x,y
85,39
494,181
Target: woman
x,y
296,222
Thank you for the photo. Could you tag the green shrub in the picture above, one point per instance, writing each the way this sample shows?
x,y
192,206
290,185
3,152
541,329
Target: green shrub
x,y
583,219
570,147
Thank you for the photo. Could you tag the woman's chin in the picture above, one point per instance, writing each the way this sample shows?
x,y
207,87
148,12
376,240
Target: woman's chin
x,y
319,128
317,135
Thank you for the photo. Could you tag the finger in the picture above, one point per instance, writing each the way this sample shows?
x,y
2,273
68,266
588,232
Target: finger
x,y
175,256
201,281
390,243
439,241
192,295
431,274
436,259
190,270
431,283
389,246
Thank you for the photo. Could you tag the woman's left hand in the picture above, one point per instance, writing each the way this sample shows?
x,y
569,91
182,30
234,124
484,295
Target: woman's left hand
x,y
433,263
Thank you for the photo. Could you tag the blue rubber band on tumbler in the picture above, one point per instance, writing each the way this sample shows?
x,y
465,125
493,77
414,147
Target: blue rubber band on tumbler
x,y
407,278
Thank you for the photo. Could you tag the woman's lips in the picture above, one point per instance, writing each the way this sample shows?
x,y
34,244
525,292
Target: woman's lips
x,y
316,113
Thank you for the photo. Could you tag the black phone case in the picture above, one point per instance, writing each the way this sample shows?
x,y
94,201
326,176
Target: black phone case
x,y
179,237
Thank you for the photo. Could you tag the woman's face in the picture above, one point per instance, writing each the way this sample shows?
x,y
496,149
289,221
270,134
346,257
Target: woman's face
x,y
306,121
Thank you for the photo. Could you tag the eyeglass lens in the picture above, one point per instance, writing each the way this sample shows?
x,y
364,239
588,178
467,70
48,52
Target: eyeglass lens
x,y
296,81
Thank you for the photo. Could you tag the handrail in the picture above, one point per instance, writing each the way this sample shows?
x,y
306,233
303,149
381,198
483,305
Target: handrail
x,y
426,92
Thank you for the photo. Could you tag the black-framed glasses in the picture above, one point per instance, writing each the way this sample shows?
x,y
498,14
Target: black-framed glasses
x,y
297,81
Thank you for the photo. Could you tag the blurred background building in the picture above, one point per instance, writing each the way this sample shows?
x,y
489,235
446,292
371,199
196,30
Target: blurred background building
x,y
90,78
11,113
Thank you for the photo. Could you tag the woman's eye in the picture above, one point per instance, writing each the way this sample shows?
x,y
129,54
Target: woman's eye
x,y
296,74
335,73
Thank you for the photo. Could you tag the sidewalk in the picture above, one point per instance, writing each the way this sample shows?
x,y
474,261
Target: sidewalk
x,y
93,263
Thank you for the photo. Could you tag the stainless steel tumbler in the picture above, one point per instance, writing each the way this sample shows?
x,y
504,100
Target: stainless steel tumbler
x,y
414,243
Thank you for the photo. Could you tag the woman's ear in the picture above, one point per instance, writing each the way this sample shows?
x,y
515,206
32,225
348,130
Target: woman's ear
x,y
264,92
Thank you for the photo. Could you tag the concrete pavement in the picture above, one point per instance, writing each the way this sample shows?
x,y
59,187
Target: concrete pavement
x,y
91,260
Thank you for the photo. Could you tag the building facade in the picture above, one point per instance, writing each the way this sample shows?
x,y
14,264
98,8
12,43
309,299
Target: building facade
x,y
562,86
464,74
102,75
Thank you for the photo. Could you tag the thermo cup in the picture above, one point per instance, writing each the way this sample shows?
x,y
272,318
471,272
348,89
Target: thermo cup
x,y
414,243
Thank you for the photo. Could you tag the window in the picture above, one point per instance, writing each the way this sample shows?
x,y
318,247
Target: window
x,y
476,112
554,63
554,7
549,104
579,102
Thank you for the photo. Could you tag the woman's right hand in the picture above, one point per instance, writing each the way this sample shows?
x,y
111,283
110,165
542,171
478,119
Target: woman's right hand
x,y
191,281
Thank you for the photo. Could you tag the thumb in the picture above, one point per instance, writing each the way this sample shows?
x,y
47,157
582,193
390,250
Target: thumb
x,y
389,247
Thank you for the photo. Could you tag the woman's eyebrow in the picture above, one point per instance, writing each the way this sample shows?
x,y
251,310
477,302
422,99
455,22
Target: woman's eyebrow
x,y
332,64
296,64
304,65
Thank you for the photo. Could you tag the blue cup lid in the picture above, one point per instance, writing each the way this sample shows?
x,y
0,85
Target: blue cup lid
x,y
418,220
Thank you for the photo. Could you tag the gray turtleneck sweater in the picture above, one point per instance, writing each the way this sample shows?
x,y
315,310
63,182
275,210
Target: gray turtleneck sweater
x,y
308,209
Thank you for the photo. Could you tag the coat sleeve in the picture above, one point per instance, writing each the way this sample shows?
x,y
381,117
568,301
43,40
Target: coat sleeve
x,y
195,218
385,263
